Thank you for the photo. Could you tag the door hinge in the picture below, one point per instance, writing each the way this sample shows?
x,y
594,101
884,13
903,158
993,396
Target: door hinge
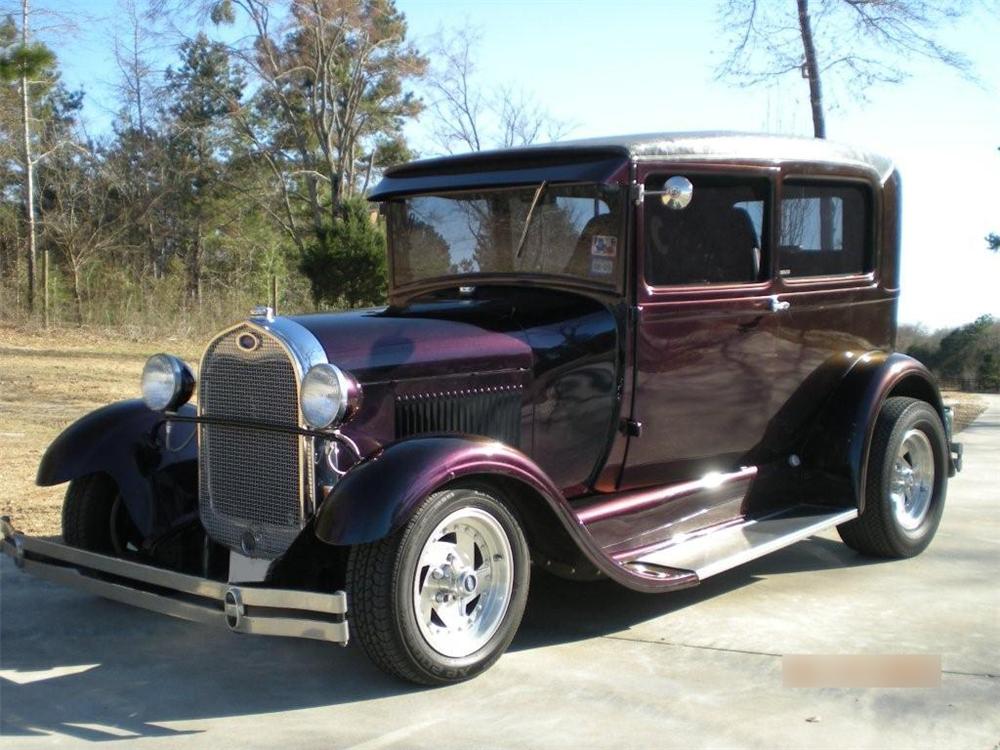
x,y
638,193
632,427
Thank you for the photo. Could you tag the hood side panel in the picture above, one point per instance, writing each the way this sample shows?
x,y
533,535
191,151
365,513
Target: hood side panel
x,y
538,369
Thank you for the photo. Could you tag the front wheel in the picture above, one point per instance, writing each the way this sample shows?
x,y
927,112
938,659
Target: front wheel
x,y
94,517
440,600
906,482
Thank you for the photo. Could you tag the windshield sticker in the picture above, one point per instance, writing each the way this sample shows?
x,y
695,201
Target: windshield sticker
x,y
601,267
604,246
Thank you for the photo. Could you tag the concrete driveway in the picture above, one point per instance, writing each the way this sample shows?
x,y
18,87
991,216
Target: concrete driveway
x,y
594,665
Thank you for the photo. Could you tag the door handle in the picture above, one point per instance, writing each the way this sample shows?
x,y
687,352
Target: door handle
x,y
778,305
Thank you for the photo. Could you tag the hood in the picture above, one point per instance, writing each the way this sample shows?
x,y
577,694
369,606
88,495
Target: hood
x,y
422,340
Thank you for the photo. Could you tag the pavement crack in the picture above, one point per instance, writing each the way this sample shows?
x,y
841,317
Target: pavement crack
x,y
661,642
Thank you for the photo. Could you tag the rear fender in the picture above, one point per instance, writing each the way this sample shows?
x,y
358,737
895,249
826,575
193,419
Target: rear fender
x,y
835,453
128,441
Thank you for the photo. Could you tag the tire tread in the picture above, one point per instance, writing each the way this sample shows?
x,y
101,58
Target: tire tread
x,y
86,513
869,532
372,575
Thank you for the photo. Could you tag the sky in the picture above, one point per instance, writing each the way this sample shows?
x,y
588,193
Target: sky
x,y
635,66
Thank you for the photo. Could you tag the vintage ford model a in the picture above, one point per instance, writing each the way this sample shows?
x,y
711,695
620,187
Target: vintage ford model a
x,y
649,358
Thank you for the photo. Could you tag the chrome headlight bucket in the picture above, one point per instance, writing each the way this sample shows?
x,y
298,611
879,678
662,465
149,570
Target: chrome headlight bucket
x,y
329,396
167,382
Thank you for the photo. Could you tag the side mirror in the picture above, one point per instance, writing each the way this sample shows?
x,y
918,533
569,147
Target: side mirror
x,y
677,193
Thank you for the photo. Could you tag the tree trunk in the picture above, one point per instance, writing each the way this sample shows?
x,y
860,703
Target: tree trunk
x,y
45,285
77,295
812,70
819,121
154,254
195,267
29,167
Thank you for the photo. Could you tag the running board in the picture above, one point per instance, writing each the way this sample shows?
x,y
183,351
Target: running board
x,y
715,551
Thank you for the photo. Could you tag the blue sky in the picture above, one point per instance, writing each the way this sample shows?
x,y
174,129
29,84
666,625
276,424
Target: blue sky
x,y
637,66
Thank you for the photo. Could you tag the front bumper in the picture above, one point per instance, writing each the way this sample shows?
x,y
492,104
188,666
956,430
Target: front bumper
x,y
243,608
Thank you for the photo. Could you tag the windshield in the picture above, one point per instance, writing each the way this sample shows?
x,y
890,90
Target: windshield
x,y
574,230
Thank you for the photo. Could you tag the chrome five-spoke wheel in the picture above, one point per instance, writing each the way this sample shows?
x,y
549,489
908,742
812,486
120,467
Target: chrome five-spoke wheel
x,y
912,483
440,599
463,582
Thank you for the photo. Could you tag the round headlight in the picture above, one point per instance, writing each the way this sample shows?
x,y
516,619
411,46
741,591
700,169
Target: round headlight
x,y
166,382
329,396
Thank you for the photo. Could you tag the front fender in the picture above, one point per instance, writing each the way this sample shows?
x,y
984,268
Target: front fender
x,y
836,450
123,440
378,495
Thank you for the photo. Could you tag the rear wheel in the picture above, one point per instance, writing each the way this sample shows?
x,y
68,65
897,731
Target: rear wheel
x,y
906,482
440,600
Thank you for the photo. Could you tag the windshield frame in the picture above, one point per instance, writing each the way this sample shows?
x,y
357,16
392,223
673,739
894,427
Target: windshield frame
x,y
615,286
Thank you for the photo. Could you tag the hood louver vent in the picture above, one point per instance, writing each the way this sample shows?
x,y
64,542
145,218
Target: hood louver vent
x,y
490,412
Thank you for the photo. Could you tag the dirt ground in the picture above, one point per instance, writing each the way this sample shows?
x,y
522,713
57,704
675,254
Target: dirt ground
x,y
49,379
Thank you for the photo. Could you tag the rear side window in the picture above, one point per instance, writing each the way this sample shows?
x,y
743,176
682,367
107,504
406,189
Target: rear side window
x,y
824,230
716,239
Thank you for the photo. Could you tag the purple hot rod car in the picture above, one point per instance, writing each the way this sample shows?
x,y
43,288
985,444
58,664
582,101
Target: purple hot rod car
x,y
648,359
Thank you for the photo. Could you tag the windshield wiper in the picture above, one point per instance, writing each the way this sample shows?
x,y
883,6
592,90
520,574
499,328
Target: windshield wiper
x,y
527,219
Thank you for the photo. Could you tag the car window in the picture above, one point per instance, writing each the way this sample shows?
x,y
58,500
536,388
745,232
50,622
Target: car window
x,y
569,230
823,230
716,239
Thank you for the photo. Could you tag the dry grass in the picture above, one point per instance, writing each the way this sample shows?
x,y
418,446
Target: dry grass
x,y
967,407
49,379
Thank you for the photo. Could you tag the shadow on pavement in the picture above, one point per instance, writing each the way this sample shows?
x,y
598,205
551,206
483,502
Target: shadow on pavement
x,y
563,611
150,669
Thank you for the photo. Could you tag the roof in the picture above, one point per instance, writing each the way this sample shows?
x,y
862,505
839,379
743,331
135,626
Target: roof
x,y
731,144
597,158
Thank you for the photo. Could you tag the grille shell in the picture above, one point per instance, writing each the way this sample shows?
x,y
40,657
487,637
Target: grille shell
x,y
252,489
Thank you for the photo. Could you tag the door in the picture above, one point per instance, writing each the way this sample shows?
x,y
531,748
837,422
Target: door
x,y
705,327
839,306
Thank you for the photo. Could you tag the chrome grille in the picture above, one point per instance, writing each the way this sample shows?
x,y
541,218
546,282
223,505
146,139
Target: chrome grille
x,y
250,478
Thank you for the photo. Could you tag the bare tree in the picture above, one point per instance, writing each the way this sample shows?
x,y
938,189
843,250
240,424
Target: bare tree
x,y
466,116
458,106
858,42
79,215
134,41
133,44
524,121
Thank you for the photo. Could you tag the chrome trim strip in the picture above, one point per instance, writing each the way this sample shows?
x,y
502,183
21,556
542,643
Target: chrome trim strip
x,y
635,501
213,602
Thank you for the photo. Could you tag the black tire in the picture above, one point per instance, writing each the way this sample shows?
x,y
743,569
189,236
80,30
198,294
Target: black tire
x,y
381,577
878,531
93,516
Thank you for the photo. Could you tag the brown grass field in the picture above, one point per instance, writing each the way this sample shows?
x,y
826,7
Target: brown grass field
x,y
47,380
50,378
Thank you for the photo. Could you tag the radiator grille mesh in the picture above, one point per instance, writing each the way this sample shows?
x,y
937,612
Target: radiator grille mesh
x,y
249,477
491,412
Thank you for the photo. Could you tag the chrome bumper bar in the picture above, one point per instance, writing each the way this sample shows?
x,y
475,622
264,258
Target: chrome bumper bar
x,y
245,609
